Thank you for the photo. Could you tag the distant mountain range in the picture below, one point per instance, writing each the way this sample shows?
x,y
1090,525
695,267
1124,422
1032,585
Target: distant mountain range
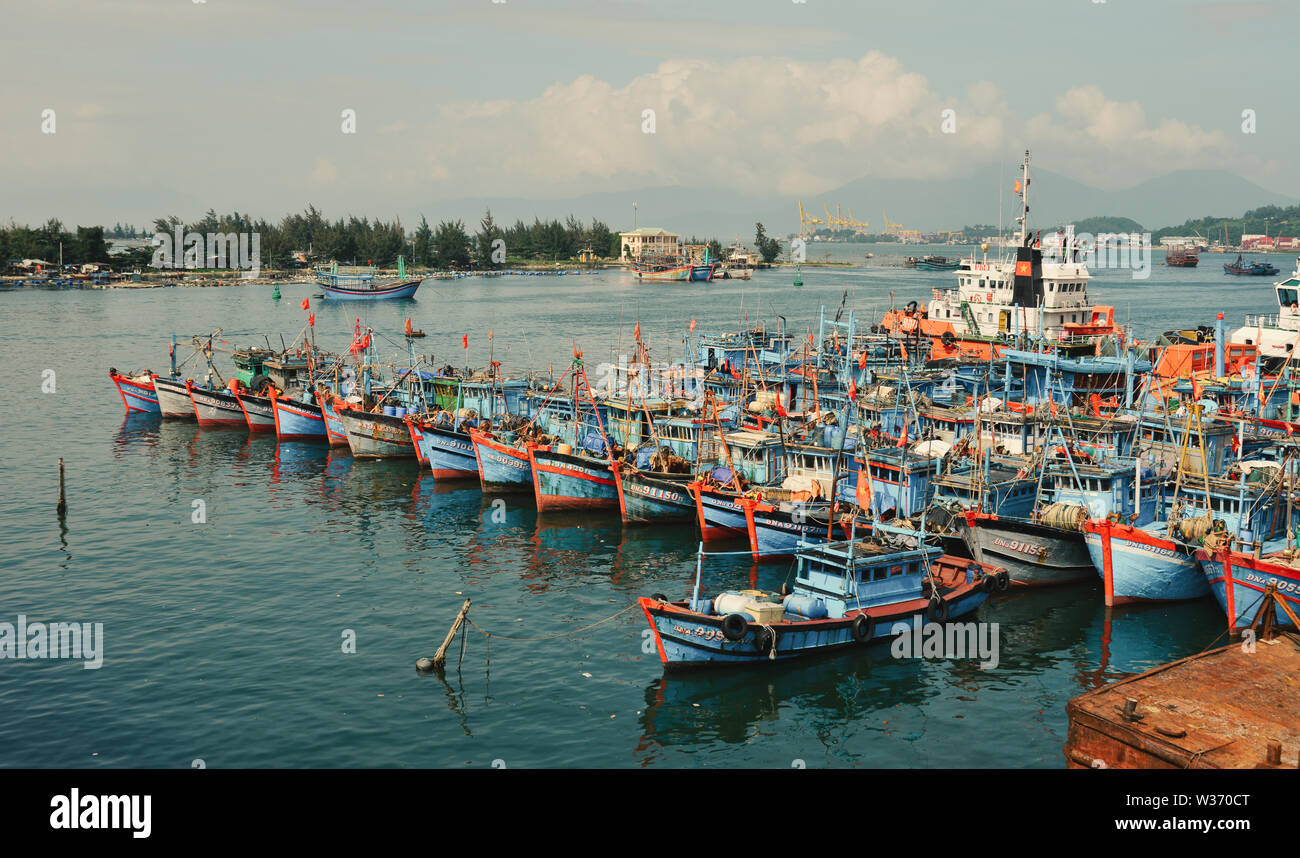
x,y
926,205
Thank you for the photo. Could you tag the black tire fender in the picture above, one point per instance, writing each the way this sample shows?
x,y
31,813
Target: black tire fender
x,y
947,339
1003,581
764,639
937,610
659,597
863,628
733,627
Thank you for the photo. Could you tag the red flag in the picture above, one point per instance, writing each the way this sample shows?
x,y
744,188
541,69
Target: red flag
x,y
864,486
1015,188
636,335
408,327
464,341
1196,389
489,333
862,361
853,390
311,320
692,327
306,305
902,439
780,409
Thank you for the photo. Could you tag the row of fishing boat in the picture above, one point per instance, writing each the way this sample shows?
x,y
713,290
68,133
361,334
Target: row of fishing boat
x,y
1004,434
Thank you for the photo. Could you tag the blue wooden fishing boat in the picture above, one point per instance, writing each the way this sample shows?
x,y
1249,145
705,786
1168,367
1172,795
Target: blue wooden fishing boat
x,y
447,447
845,594
645,497
1240,580
703,273
503,461
378,434
138,394
298,417
564,478
358,284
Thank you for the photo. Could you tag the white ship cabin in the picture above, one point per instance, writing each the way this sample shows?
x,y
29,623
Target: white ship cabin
x,y
1275,335
986,302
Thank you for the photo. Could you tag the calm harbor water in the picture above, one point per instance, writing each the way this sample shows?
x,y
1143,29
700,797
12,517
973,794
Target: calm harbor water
x,y
224,639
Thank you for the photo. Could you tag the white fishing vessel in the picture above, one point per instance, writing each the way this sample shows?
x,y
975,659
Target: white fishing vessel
x,y
1041,291
1275,334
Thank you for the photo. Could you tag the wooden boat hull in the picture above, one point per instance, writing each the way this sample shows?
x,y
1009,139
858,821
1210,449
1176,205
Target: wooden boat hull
x,y
298,421
334,429
404,289
643,498
1033,554
501,467
1136,566
216,408
377,436
568,481
720,514
775,533
450,453
259,412
679,273
138,397
173,399
1238,582
687,639
702,273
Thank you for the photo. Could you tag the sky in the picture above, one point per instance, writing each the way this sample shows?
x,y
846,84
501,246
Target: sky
x,y
167,107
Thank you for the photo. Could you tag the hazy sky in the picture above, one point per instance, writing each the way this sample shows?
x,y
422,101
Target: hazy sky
x,y
173,106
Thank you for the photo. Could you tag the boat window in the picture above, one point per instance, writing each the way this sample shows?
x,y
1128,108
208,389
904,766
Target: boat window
x,y
1286,297
895,570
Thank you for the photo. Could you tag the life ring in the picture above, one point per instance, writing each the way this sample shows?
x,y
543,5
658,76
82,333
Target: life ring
x,y
1003,581
937,610
733,627
764,639
909,324
990,298
863,628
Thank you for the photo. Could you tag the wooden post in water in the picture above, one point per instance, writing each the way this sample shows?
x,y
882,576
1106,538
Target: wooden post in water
x,y
440,657
62,507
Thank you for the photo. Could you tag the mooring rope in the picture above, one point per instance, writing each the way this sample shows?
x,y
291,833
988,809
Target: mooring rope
x,y
490,635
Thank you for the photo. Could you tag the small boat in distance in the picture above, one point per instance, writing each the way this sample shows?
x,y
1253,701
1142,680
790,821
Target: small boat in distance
x,y
1253,269
1182,257
662,268
358,283
935,263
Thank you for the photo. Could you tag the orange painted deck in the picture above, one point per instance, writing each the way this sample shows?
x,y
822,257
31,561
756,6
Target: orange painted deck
x,y
1220,709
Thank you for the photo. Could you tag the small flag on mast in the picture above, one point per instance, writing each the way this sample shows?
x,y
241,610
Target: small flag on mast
x,y
306,305
464,341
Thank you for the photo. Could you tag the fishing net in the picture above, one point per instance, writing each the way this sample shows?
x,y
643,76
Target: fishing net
x,y
1066,516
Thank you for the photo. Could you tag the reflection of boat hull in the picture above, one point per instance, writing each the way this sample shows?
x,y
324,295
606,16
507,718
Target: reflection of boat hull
x,y
259,412
137,396
1137,566
402,289
173,399
646,498
298,421
1033,554
376,436
215,408
1239,580
568,481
